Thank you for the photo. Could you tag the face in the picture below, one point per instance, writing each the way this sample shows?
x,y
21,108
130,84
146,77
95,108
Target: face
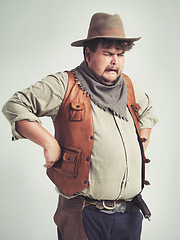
x,y
105,64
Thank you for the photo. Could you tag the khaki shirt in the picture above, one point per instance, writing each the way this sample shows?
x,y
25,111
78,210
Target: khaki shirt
x,y
115,170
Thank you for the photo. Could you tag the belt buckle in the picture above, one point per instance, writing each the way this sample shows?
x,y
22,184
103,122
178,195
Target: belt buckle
x,y
121,207
108,208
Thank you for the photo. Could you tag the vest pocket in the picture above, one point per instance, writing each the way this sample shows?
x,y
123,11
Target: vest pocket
x,y
68,163
76,111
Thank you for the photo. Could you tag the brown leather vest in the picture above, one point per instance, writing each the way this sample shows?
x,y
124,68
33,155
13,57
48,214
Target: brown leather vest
x,y
75,134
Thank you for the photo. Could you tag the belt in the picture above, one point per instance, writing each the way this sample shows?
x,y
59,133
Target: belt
x,y
110,207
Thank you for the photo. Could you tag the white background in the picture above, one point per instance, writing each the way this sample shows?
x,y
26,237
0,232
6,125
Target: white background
x,y
35,41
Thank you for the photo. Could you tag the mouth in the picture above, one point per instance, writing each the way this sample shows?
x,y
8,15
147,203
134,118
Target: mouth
x,y
111,70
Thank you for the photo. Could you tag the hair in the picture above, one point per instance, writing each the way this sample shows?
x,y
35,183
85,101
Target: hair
x,y
108,43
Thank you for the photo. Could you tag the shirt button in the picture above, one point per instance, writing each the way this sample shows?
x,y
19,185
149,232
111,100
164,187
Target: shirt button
x,y
85,181
87,159
91,137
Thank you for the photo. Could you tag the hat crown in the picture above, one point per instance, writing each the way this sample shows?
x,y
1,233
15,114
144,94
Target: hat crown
x,y
103,24
105,20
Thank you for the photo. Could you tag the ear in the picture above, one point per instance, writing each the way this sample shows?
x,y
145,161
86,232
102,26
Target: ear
x,y
87,54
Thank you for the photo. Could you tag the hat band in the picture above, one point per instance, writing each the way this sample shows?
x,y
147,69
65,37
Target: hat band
x,y
114,32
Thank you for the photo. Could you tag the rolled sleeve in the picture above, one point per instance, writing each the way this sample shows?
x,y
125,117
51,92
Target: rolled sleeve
x,y
146,113
15,111
41,99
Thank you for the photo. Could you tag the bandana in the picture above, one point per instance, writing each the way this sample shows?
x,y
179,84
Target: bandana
x,y
109,98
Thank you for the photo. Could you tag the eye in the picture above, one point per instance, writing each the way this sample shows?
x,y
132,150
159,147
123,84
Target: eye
x,y
120,54
107,54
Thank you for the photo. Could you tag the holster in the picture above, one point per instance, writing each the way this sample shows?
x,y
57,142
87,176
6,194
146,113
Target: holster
x,y
68,218
139,202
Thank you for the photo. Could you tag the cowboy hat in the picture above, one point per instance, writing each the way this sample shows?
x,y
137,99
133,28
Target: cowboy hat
x,y
105,25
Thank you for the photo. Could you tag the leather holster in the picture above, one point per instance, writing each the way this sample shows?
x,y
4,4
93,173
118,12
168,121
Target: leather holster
x,y
68,218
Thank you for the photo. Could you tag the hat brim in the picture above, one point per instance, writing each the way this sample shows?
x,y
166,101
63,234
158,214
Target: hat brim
x,y
80,43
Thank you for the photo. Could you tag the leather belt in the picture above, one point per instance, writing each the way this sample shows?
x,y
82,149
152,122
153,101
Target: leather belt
x,y
110,207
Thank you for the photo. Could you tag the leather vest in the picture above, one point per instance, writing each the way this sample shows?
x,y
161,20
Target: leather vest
x,y
75,133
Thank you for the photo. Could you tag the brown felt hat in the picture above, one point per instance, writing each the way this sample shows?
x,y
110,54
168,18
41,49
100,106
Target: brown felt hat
x,y
105,25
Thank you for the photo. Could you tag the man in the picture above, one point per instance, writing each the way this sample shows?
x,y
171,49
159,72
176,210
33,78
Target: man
x,y
96,158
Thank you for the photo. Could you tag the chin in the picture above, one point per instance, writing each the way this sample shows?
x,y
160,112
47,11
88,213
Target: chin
x,y
108,82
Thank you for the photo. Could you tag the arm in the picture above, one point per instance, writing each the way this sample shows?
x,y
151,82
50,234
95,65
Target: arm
x,y
147,117
25,108
39,135
145,133
44,98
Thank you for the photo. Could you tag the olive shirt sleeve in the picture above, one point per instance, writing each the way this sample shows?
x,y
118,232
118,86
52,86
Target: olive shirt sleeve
x,y
41,99
147,117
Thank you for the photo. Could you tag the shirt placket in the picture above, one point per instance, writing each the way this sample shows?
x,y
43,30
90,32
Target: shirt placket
x,y
125,178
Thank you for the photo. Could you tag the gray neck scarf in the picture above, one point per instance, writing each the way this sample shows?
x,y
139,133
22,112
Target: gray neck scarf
x,y
109,98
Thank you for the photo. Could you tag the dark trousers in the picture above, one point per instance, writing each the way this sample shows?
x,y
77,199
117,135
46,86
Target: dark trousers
x,y
103,226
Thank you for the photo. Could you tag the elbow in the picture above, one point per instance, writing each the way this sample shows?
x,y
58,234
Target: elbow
x,y
5,110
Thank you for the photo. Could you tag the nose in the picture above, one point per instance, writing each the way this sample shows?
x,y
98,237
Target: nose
x,y
114,59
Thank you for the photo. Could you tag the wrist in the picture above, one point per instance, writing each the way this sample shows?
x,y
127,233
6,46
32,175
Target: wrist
x,y
50,142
